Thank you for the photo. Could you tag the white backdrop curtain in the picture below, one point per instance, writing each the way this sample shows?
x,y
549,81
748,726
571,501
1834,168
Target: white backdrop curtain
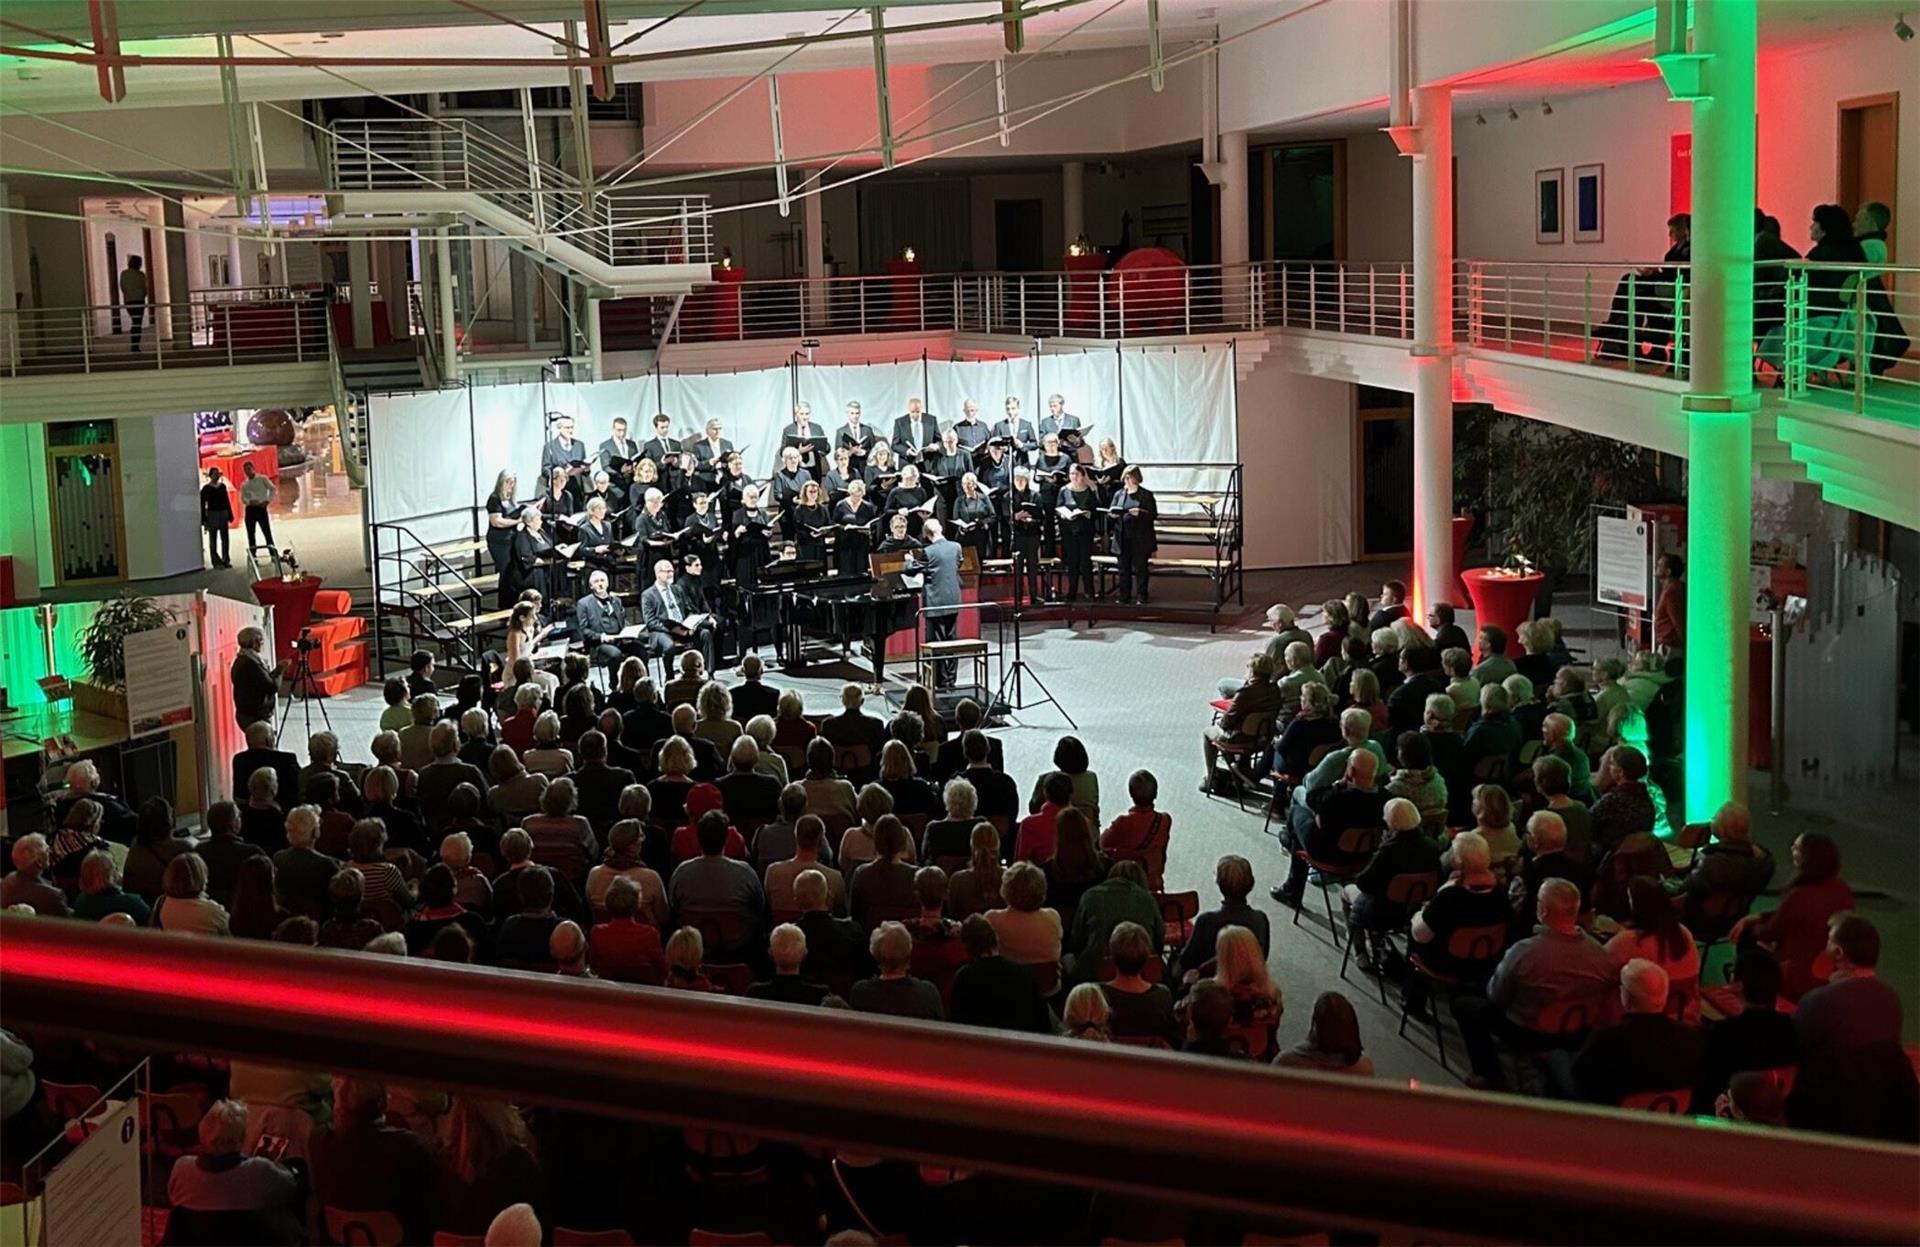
x,y
435,455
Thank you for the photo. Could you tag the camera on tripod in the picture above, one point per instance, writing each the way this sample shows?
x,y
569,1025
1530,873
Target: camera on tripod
x,y
306,640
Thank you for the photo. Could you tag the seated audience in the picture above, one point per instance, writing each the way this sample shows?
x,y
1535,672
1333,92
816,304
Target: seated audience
x,y
750,796
1728,872
1654,932
1069,759
1416,778
836,947
952,757
1333,1040
186,906
893,990
1545,858
1855,1078
1797,931
28,884
1030,933
525,937
716,722
1233,876
718,887
1076,864
1494,665
809,843
218,1178
224,850
1557,740
912,796
262,751
516,792
382,788
486,1166
1405,866
367,856
1255,1005
563,839
787,950
1759,1037
360,1162
624,945
439,908
347,924
1038,836
947,841
1210,1010
1143,832
623,860
261,819
1321,830
975,888
1462,931
686,953
856,847
155,843
883,888
549,756
101,894
1121,897
999,795
1086,1015
829,794
253,911
1645,1051
992,991
1550,779
1252,715
1137,1008
1548,991
1493,819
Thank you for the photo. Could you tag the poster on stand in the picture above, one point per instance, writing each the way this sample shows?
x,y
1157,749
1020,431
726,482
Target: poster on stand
x,y
159,679
1620,562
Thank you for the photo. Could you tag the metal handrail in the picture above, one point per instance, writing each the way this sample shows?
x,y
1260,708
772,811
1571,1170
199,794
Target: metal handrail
x,y
1358,1153
200,331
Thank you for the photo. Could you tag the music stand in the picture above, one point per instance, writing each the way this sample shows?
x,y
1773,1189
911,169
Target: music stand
x,y
1019,670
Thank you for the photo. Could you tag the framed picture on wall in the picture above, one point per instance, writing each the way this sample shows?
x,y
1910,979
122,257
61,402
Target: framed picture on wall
x,y
1549,213
1589,203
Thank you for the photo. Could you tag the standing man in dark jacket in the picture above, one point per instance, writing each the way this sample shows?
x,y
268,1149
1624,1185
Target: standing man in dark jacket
x,y
940,562
216,516
256,684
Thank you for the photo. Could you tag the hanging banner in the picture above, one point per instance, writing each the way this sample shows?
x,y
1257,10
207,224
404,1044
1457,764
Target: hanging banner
x,y
159,679
93,1196
1620,558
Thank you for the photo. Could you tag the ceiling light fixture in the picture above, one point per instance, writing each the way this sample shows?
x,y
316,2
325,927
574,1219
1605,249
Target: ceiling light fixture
x,y
1902,31
1546,108
1513,114
1479,119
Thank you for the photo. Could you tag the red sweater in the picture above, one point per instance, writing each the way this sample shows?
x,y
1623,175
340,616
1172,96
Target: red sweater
x,y
627,951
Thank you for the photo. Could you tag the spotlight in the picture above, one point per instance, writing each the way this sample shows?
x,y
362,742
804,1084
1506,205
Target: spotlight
x,y
1479,119
1902,31
1546,108
1513,114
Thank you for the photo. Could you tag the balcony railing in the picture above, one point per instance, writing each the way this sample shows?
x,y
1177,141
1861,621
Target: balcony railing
x,y
621,227
1375,300
247,325
1577,313
1846,340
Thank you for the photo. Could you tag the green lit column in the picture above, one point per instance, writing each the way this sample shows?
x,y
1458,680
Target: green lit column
x,y
1720,403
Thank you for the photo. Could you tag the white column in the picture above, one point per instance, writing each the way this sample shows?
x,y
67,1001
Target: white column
x,y
1720,404
594,354
521,280
1236,242
813,238
236,264
360,292
1433,579
443,275
1073,200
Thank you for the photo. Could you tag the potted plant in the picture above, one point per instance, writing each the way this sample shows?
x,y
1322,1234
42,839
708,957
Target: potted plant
x,y
103,647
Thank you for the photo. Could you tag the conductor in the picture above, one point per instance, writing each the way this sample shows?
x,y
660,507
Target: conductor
x,y
939,561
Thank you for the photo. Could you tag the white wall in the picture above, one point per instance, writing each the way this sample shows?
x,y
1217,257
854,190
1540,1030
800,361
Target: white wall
x,y
1296,517
160,494
158,141
25,523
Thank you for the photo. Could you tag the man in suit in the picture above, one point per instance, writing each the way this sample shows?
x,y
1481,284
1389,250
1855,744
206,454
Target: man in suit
x,y
563,449
598,782
1026,442
1134,512
262,751
807,437
856,437
939,561
1063,422
619,446
256,684
662,447
970,431
710,456
599,618
750,696
664,610
913,433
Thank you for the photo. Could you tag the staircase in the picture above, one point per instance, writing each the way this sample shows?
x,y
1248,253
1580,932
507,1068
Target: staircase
x,y
621,242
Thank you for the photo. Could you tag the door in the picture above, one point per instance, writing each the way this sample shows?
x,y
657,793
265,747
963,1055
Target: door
x,y
1016,236
1384,464
1870,154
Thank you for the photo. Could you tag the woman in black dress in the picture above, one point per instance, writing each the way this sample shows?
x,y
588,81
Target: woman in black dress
x,y
897,537
851,545
973,516
733,482
881,472
503,520
810,513
1078,503
1050,477
748,535
1026,510
912,497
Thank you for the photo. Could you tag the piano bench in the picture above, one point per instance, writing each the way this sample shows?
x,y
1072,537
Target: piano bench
x,y
967,648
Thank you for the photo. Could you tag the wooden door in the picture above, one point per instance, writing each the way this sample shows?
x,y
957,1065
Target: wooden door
x,y
1870,155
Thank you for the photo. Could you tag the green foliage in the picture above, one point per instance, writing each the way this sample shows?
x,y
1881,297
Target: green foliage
x,y
103,644
1536,484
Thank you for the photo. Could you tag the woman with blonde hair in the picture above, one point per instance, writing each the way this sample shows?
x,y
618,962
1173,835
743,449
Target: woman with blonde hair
x,y
975,888
911,795
716,722
1241,968
1086,1014
686,953
487,1164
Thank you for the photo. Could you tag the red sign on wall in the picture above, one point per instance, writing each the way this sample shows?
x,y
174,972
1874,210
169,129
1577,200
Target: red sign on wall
x,y
1679,173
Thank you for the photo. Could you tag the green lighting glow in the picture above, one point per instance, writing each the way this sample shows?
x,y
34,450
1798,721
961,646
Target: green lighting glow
x,y
23,655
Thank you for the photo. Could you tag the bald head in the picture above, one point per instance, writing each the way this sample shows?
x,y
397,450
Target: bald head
x,y
1362,766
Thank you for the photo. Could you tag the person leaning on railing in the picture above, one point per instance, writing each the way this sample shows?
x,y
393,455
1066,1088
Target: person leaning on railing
x,y
1831,321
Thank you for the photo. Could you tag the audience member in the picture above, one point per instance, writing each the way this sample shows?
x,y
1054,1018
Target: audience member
x,y
1038,837
1138,1008
1339,826
1122,897
362,1162
624,946
787,950
186,906
893,990
975,888
1462,931
883,888
836,947
101,894
1029,931
1759,1037
1403,869
1233,876
1654,932
27,885
1855,1078
218,1178
1333,1039
992,991
1644,1052
1086,1015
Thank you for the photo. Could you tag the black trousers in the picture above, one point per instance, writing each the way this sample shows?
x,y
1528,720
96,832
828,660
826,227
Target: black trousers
x,y
257,517
1026,563
136,320
219,544
1133,568
940,628
1076,551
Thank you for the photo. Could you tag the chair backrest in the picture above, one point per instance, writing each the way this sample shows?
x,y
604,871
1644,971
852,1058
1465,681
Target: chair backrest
x,y
1477,943
1565,1017
1674,1103
1491,769
1359,841
852,759
1178,910
729,977
795,756
347,1228
172,1118
1320,753
722,929
1046,976
785,915
1257,726
1681,995
69,1100
916,825
444,1238
709,1238
1413,889
563,1237
1143,1041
